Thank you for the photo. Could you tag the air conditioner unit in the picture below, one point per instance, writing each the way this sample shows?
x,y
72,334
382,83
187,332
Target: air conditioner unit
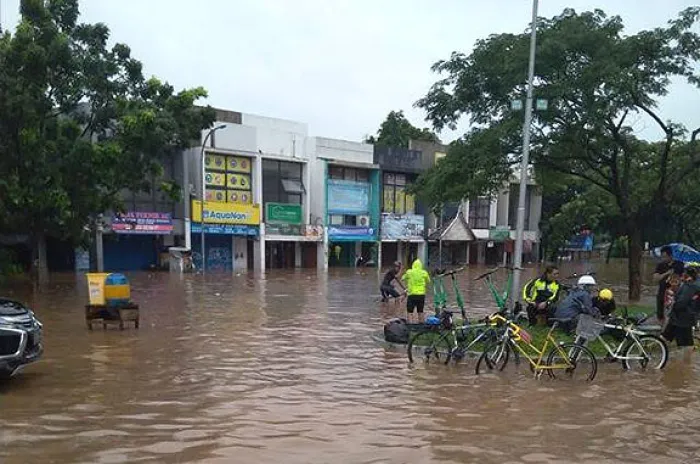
x,y
363,221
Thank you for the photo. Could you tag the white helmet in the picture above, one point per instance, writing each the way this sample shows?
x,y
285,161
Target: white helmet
x,y
586,280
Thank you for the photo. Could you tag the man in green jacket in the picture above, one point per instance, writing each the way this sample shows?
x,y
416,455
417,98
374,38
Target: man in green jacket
x,y
417,280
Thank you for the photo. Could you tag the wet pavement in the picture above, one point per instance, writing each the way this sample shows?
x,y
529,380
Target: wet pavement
x,y
239,369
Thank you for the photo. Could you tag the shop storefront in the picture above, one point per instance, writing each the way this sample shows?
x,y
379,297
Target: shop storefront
x,y
288,242
402,238
351,233
230,233
139,241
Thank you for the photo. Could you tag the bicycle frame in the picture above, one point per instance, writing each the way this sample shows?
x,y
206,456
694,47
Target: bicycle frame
x,y
630,333
500,297
535,355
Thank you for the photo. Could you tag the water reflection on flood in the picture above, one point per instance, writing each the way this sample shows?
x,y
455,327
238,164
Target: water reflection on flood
x,y
283,369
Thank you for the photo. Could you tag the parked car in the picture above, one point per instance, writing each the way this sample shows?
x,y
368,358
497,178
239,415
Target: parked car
x,y
21,340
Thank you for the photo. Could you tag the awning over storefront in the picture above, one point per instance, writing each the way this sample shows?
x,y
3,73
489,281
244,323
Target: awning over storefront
x,y
456,231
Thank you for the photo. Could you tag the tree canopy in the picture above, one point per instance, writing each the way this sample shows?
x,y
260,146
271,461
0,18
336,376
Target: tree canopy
x,y
79,123
595,78
397,131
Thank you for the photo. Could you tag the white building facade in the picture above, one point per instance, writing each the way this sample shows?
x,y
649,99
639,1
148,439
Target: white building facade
x,y
257,214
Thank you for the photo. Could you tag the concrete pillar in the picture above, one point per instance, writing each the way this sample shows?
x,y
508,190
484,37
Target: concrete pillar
x,y
469,249
423,251
400,254
481,257
322,252
99,249
297,254
358,250
259,251
186,198
379,255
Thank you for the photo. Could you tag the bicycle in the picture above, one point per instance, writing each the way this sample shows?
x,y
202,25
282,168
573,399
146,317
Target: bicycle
x,y
636,345
445,341
566,357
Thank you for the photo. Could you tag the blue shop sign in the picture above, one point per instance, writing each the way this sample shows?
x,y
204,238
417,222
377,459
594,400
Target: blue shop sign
x,y
351,233
221,229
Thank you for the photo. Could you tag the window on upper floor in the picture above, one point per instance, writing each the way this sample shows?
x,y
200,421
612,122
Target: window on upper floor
x,y
282,182
513,206
395,199
345,173
479,213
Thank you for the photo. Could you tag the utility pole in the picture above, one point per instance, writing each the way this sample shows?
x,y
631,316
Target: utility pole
x,y
524,165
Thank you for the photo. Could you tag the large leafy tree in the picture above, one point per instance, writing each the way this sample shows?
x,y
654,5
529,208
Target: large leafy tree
x,y
79,123
397,131
597,80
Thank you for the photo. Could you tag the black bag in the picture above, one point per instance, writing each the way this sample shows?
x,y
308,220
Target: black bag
x,y
397,331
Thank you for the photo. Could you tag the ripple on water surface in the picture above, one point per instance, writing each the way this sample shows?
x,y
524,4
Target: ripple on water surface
x,y
284,369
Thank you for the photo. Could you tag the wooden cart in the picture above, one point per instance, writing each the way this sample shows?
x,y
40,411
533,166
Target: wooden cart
x,y
106,315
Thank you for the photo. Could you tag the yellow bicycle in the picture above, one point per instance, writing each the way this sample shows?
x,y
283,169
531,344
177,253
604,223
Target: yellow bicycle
x,y
553,357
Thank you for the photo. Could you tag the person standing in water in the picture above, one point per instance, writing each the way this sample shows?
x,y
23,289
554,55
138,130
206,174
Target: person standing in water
x,y
417,280
387,287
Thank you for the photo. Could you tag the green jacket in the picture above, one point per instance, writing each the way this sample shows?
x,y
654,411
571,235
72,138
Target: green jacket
x,y
417,279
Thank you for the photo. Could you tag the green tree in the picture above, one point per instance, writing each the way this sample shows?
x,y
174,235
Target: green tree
x,y
595,78
79,124
397,131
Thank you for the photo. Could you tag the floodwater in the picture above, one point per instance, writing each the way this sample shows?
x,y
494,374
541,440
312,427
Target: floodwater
x,y
239,369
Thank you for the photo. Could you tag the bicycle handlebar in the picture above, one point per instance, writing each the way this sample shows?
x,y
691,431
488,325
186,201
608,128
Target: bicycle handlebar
x,y
487,273
452,272
496,269
576,274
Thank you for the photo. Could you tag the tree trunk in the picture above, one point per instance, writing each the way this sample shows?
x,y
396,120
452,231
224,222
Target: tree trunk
x,y
634,263
40,263
610,249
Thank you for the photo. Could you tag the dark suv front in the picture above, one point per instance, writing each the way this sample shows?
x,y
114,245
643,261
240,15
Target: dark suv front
x,y
21,340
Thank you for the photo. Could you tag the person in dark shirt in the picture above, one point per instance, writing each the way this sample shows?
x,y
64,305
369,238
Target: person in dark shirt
x,y
664,270
683,315
387,287
605,302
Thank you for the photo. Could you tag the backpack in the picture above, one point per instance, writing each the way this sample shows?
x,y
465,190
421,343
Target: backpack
x,y
695,305
396,331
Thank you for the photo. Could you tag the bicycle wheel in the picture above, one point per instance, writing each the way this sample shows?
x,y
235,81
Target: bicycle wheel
x,y
472,340
430,346
651,352
583,362
495,356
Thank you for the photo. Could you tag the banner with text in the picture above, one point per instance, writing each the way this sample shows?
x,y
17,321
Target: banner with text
x,y
226,213
142,223
347,197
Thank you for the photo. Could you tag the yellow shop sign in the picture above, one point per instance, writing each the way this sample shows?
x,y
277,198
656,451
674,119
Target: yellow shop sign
x,y
226,213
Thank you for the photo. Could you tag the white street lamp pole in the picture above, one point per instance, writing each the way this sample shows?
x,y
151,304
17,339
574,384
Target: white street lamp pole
x,y
520,228
204,193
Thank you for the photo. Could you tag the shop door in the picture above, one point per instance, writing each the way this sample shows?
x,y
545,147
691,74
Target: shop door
x,y
309,255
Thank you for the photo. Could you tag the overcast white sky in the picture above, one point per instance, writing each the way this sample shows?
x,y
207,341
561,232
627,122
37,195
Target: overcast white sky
x,y
338,65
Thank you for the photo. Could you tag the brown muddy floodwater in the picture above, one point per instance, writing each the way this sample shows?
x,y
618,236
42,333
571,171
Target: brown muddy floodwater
x,y
239,369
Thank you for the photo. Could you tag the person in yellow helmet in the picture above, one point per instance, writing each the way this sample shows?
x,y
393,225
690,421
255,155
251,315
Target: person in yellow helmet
x,y
605,302
417,280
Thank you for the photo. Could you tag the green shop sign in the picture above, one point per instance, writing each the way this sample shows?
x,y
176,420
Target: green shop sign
x,y
280,213
499,233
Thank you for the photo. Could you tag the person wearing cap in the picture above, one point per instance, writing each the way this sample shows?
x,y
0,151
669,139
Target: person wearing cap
x,y
578,301
605,302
